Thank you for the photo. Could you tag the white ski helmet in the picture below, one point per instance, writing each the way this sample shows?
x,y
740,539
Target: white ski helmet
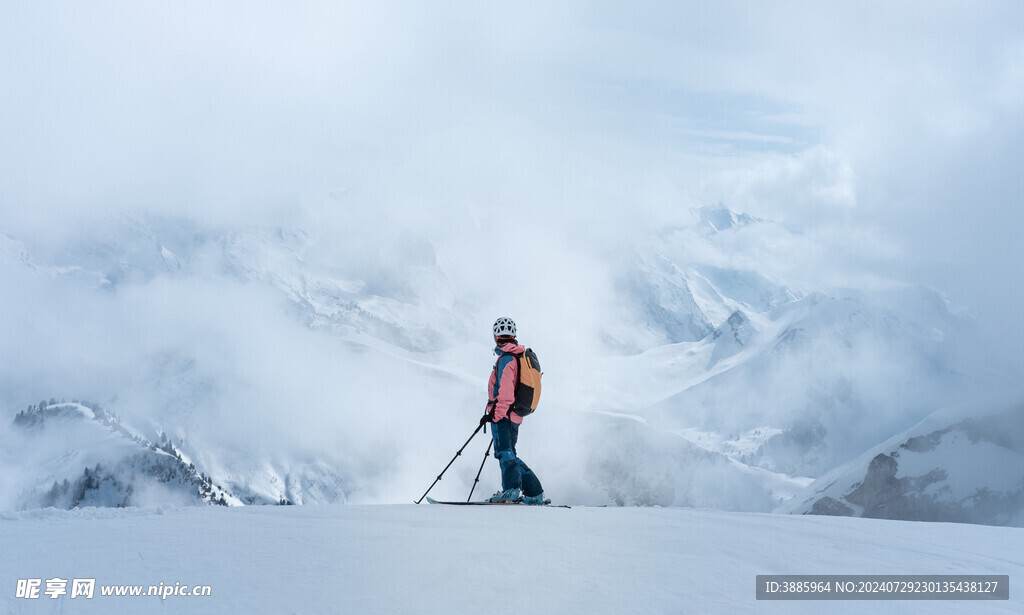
x,y
504,327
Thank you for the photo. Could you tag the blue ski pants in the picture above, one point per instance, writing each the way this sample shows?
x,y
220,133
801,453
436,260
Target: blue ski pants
x,y
514,473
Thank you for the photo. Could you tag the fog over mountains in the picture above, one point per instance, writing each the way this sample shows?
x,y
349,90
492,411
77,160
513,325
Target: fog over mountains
x,y
190,363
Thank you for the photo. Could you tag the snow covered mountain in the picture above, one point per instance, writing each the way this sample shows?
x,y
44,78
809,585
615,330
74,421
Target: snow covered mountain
x,y
234,347
834,374
118,468
776,383
963,465
294,364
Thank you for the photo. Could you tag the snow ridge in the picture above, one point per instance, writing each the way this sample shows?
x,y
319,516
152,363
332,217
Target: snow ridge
x,y
956,466
113,466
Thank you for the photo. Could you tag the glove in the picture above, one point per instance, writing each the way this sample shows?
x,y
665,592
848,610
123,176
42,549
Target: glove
x,y
488,416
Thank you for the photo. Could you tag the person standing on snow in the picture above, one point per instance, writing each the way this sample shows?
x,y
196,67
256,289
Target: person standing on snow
x,y
517,479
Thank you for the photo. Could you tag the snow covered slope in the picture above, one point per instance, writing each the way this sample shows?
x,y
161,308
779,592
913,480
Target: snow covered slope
x,y
441,559
81,455
964,464
835,374
752,344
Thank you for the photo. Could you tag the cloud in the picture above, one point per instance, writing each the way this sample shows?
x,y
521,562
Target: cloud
x,y
565,133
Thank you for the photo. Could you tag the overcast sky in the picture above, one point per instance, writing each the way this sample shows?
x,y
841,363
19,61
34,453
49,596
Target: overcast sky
x,y
892,131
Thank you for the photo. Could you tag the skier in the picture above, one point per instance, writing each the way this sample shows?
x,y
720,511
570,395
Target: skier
x,y
516,477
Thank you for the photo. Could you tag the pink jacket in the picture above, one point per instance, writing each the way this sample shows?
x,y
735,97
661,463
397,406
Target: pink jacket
x,y
501,388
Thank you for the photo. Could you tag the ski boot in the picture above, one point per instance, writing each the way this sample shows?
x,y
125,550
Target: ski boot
x,y
534,500
507,496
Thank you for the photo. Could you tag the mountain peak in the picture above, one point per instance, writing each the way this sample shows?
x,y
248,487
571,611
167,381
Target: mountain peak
x,y
717,218
734,334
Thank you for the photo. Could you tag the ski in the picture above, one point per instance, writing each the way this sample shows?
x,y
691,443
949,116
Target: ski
x,y
489,503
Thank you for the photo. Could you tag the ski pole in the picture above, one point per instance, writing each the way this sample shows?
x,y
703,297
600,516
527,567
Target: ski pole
x,y
487,454
450,463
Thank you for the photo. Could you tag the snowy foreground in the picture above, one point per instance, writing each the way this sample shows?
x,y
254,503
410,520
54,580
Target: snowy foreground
x,y
443,559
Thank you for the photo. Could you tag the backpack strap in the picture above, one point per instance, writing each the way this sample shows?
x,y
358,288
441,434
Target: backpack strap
x,y
519,364
497,376
518,356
